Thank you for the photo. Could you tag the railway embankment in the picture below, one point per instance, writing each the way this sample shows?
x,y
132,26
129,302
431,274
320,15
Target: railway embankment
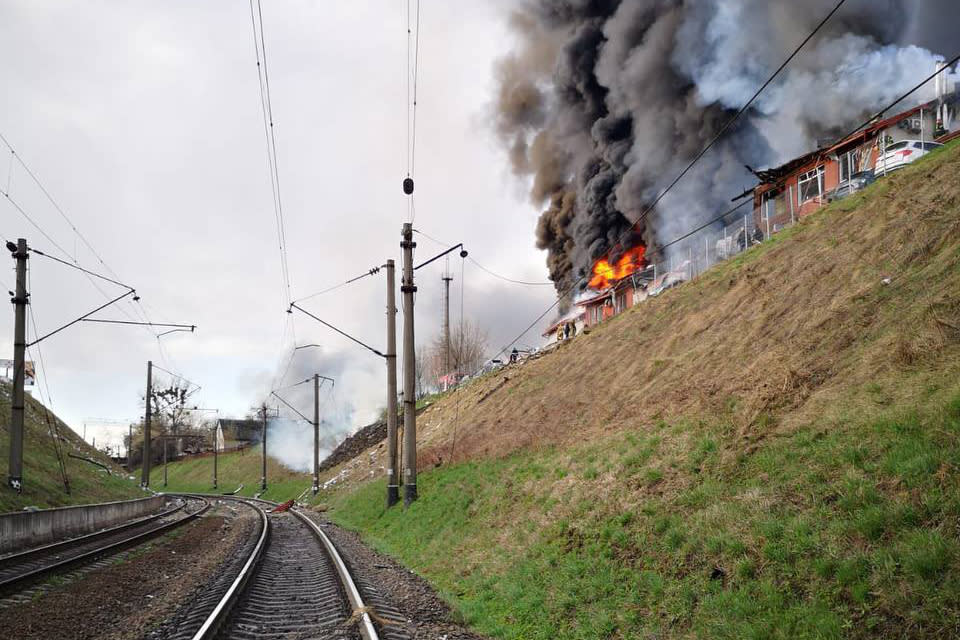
x,y
770,450
56,466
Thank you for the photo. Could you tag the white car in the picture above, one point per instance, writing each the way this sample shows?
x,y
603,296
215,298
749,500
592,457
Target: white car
x,y
903,153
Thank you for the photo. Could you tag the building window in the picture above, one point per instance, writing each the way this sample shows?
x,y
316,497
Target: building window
x,y
850,164
810,185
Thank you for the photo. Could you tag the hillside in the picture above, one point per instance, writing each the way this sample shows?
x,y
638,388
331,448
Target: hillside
x,y
771,450
43,483
195,474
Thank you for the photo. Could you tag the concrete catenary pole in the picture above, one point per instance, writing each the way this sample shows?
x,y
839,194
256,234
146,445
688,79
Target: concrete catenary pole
x,y
447,278
316,433
407,288
393,466
164,459
20,299
216,446
263,448
145,467
129,448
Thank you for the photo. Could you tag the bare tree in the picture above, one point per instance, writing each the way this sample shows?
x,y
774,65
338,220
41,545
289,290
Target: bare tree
x,y
468,344
420,377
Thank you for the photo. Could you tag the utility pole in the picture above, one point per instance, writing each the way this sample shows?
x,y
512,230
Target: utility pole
x,y
316,433
393,467
20,300
129,447
409,371
447,277
263,449
145,467
216,445
164,460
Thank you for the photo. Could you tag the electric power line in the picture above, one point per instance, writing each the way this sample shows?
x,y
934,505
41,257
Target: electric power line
x,y
372,271
266,104
33,176
483,268
412,75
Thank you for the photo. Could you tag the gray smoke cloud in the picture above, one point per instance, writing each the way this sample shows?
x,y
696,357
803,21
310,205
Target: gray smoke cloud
x,y
289,436
603,102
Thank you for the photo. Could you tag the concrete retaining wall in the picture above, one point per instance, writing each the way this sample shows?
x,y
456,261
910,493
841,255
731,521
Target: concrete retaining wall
x,y
24,529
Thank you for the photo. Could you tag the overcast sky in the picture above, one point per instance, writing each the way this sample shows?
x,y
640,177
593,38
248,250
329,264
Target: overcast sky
x,y
142,119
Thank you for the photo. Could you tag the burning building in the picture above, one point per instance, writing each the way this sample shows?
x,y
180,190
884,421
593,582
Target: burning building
x,y
603,103
802,185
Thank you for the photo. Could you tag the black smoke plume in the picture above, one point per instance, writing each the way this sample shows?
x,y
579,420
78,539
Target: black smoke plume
x,y
603,102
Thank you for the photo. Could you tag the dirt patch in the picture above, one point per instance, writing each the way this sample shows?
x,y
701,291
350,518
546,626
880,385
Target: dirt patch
x,y
354,445
126,600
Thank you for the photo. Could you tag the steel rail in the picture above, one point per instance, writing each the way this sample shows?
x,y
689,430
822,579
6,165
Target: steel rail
x,y
213,622
7,585
21,556
219,614
367,629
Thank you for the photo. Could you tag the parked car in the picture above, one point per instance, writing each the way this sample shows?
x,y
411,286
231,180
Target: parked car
x,y
902,153
857,182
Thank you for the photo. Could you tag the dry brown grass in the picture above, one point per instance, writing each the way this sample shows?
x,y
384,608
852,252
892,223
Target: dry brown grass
x,y
766,341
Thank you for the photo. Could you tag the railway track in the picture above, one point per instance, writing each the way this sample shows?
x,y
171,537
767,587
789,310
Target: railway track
x,y
20,570
291,583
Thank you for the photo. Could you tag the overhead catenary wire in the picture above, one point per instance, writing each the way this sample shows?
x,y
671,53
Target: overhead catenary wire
x,y
138,307
266,103
416,77
269,129
176,376
370,272
79,268
294,305
56,206
506,279
482,267
412,75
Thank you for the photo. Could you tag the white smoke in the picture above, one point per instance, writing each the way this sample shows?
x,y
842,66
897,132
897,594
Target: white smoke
x,y
604,102
290,440
290,436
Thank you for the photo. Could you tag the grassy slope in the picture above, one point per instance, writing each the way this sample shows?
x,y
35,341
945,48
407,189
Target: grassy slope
x,y
772,450
233,469
43,486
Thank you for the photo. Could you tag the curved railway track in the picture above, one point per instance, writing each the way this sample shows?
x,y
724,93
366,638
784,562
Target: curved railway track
x,y
290,582
19,570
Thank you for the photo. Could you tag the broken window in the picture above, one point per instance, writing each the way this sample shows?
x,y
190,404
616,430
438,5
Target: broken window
x,y
810,185
850,163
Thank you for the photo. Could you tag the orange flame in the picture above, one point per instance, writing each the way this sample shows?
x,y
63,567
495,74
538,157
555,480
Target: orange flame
x,y
605,274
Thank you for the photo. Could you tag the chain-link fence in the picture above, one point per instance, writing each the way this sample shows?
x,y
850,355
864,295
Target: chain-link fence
x,y
730,236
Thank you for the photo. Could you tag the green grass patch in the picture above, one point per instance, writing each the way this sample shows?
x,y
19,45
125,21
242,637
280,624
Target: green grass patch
x,y
843,533
234,469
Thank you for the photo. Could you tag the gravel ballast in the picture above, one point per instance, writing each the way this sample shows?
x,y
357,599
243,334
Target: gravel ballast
x,y
410,605
130,598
